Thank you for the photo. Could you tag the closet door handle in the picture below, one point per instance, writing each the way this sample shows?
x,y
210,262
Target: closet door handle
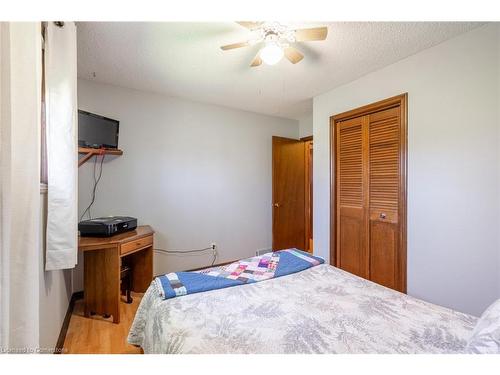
x,y
383,215
276,205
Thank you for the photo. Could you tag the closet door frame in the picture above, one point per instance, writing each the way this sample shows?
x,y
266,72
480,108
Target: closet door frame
x,y
400,101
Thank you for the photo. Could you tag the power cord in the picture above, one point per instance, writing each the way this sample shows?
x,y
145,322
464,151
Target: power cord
x,y
213,248
94,189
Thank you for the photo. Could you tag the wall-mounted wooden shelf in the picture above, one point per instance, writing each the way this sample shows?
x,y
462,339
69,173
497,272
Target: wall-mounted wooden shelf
x,y
89,152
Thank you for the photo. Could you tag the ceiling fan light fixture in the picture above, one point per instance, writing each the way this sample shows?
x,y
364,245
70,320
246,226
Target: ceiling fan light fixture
x,y
272,53
277,39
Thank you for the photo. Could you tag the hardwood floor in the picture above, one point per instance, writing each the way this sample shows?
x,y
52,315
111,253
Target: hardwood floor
x,y
96,335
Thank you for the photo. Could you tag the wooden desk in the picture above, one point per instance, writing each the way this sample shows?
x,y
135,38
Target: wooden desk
x,y
103,257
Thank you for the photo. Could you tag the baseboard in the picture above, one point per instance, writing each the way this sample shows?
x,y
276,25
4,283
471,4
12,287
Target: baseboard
x,y
64,328
215,265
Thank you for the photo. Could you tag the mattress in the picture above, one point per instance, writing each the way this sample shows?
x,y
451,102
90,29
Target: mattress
x,y
320,310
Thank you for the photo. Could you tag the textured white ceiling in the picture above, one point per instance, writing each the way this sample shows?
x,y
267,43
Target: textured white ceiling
x,y
184,60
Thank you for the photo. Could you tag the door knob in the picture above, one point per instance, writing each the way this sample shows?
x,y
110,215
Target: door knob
x,y
383,215
276,205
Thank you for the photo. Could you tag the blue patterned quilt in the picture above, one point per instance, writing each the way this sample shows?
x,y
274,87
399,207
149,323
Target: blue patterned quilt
x,y
251,270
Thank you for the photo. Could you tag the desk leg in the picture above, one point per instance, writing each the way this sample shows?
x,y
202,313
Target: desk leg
x,y
102,282
142,269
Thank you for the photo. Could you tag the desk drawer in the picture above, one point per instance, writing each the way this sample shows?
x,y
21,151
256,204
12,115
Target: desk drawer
x,y
137,244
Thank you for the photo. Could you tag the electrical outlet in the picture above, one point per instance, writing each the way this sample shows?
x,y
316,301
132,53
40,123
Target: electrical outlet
x,y
213,245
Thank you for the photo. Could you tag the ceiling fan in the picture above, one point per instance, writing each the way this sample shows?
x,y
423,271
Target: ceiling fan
x,y
277,39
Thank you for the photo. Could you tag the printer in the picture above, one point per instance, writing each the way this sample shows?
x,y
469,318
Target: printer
x,y
106,226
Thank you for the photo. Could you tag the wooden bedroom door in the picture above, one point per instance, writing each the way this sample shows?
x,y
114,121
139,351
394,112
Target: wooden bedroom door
x,y
288,211
369,215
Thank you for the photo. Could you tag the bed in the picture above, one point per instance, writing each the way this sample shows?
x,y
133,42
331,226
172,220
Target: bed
x,y
318,310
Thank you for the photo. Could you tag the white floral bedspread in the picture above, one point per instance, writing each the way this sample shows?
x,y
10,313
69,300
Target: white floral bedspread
x,y
319,310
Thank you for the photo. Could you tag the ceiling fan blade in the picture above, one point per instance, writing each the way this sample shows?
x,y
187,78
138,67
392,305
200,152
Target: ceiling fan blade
x,y
256,61
234,45
316,33
293,55
250,24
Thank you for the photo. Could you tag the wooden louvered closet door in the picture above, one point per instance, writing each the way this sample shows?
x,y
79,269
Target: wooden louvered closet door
x,y
370,192
351,197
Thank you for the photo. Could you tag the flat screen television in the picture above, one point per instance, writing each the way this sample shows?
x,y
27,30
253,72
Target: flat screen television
x,y
97,131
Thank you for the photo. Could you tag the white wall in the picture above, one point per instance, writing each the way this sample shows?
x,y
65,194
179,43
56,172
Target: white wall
x,y
55,290
196,173
498,119
306,125
453,165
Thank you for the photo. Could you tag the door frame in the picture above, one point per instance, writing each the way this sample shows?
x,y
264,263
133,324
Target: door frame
x,y
402,102
308,202
273,195
307,192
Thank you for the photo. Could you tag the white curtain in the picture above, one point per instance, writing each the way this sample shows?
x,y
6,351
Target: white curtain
x,y
61,138
20,103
